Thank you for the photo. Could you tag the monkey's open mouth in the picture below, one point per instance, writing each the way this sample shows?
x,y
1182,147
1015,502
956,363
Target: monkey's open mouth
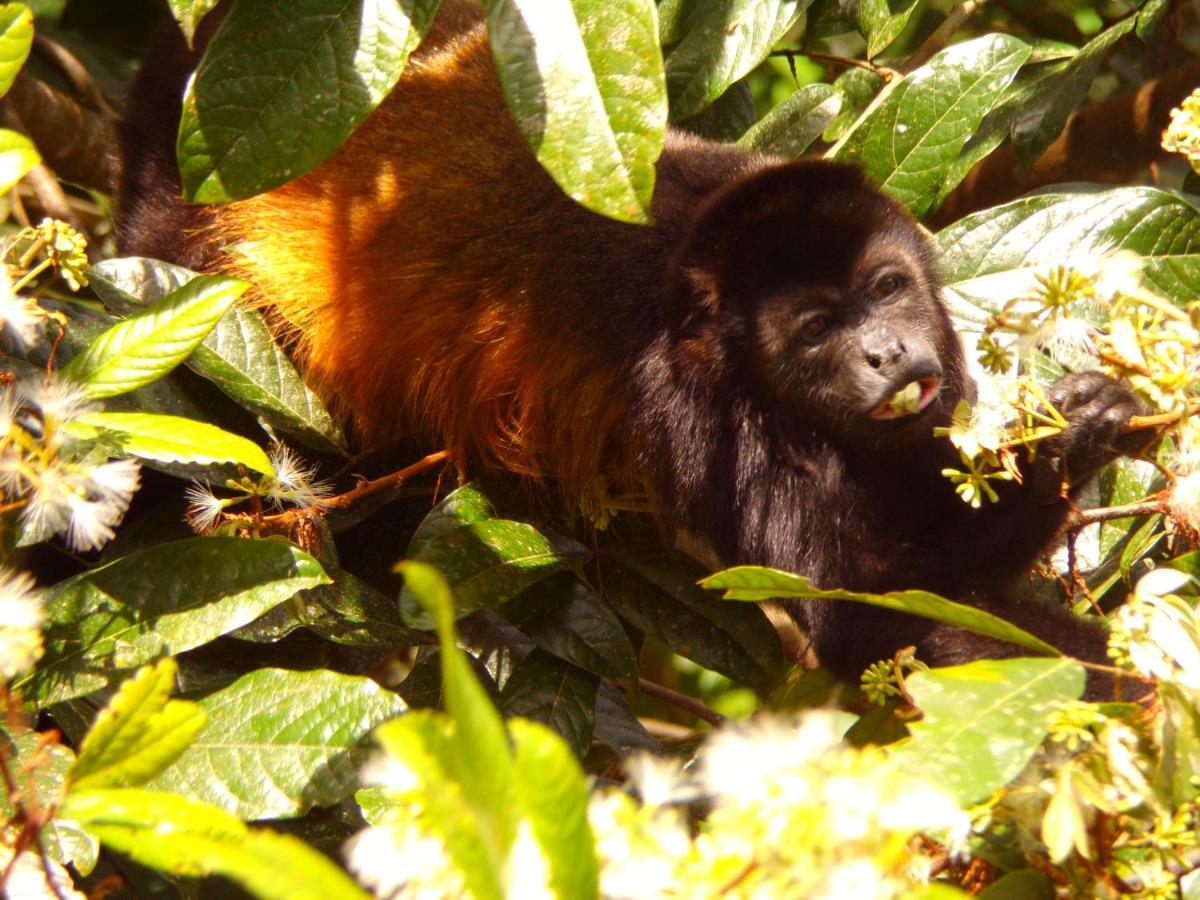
x,y
911,399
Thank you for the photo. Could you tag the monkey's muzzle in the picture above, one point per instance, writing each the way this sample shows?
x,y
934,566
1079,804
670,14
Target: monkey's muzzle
x,y
910,400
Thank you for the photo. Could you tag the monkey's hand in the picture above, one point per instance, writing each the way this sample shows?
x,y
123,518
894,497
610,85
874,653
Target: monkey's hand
x,y
1097,409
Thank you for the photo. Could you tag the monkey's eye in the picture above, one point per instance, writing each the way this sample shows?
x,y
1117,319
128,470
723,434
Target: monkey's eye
x,y
884,287
816,328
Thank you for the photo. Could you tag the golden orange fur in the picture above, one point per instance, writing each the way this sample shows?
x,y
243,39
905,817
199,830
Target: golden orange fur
x,y
338,251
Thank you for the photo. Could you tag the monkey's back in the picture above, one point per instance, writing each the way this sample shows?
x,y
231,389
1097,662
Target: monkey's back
x,y
435,278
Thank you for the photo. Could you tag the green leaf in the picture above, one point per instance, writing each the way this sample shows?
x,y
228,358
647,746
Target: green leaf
x,y
171,439
758,584
181,837
17,157
569,619
188,14
468,505
984,721
1044,114
421,741
909,142
791,127
240,356
1177,772
279,742
157,602
487,563
857,88
139,732
47,764
880,25
729,116
584,81
557,694
661,598
147,346
552,792
479,754
995,255
1150,17
723,42
282,84
16,40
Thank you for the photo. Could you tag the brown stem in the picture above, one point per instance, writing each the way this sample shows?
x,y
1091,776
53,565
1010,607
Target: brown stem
x,y
1148,507
681,701
1122,363
1162,420
285,520
942,34
834,60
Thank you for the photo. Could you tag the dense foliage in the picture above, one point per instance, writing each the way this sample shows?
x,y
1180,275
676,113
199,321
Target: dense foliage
x,y
541,700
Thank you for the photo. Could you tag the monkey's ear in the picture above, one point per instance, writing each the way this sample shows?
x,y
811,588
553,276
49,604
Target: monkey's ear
x,y
745,222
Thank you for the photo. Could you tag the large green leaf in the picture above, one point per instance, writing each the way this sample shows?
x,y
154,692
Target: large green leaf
x,y
181,837
758,584
1044,114
909,142
557,694
148,345
568,618
171,439
16,40
240,356
791,127
477,753
584,81
723,42
139,732
17,157
984,721
993,256
552,792
282,84
490,562
661,598
468,505
279,742
161,601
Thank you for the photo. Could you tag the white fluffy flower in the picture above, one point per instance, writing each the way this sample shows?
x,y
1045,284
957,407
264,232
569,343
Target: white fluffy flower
x,y
1184,500
1160,631
20,624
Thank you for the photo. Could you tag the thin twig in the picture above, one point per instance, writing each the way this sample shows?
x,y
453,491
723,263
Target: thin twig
x,y
834,60
681,701
942,34
1148,507
291,517
1162,420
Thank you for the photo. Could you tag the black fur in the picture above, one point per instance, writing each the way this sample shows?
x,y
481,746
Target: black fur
x,y
759,438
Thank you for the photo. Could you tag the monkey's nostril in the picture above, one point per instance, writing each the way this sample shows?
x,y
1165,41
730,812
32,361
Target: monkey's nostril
x,y
874,361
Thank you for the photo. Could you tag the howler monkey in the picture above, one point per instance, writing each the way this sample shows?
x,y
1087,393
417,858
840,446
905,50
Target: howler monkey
x,y
739,358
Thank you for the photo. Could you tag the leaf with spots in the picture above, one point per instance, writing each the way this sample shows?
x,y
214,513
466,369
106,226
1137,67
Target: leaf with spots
x,y
489,562
984,721
279,742
283,83
909,142
722,43
159,602
584,81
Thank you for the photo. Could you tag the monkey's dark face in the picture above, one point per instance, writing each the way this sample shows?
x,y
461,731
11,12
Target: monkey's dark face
x,y
824,295
856,343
